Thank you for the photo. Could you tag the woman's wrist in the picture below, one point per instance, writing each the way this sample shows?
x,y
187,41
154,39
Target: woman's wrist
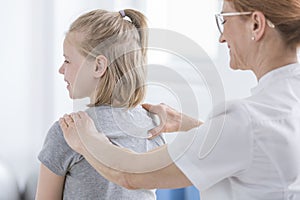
x,y
190,123
93,136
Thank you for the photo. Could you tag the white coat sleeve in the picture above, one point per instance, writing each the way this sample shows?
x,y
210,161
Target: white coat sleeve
x,y
218,149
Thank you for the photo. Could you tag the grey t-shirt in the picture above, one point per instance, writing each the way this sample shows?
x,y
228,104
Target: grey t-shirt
x,y
126,128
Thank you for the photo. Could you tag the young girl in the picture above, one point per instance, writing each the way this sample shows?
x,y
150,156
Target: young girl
x,y
104,60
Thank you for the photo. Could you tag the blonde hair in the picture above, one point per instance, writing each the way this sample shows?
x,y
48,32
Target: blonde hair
x,y
123,42
284,14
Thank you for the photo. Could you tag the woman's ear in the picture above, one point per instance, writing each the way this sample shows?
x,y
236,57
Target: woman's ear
x,y
258,25
100,67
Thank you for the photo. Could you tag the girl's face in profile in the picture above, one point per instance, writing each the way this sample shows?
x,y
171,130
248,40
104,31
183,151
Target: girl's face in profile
x,y
77,71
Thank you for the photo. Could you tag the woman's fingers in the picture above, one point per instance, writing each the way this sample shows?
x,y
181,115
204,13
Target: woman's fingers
x,y
147,106
63,123
71,127
156,131
75,117
155,109
82,114
170,119
160,111
68,120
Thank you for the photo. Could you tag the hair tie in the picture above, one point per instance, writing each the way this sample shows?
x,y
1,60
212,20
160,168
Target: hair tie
x,y
122,13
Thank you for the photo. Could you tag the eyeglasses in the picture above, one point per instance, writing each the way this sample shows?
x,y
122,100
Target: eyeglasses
x,y
220,19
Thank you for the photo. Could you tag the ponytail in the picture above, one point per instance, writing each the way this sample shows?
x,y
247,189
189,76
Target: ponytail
x,y
139,21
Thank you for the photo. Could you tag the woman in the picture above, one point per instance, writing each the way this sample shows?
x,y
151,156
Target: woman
x,y
97,61
256,155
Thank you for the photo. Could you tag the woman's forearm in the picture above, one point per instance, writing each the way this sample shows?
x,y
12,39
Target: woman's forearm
x,y
123,159
164,173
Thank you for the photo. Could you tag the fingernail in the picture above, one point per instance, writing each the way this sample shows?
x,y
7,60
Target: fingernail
x,y
149,135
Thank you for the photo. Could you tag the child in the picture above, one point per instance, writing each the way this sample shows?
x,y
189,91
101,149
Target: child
x,y
105,55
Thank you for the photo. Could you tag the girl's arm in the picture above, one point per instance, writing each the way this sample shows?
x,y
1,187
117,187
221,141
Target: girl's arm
x,y
50,186
132,170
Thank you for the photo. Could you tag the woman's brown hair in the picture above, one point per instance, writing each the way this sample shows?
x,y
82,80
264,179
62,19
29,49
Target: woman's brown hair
x,y
284,14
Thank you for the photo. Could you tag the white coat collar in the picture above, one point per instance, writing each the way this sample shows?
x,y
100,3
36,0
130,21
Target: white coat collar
x,y
276,74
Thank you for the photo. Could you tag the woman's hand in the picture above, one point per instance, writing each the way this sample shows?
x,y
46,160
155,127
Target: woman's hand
x,y
75,127
170,119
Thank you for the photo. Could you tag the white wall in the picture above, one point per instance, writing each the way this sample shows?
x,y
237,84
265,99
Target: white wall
x,y
17,87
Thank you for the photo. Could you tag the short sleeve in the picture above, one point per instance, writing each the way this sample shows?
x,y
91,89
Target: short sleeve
x,y
56,155
218,149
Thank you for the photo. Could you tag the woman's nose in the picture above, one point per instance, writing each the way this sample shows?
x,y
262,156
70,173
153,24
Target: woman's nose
x,y
222,38
61,70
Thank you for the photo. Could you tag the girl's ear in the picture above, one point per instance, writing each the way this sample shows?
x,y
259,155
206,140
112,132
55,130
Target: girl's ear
x,y
100,67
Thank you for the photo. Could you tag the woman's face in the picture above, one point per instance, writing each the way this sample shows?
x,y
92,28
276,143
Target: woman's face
x,y
237,36
77,71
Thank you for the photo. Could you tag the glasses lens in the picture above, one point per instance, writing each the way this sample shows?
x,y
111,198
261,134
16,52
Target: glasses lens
x,y
220,23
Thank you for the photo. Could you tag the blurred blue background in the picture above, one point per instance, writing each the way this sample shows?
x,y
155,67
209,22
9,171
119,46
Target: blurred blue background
x,y
188,193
